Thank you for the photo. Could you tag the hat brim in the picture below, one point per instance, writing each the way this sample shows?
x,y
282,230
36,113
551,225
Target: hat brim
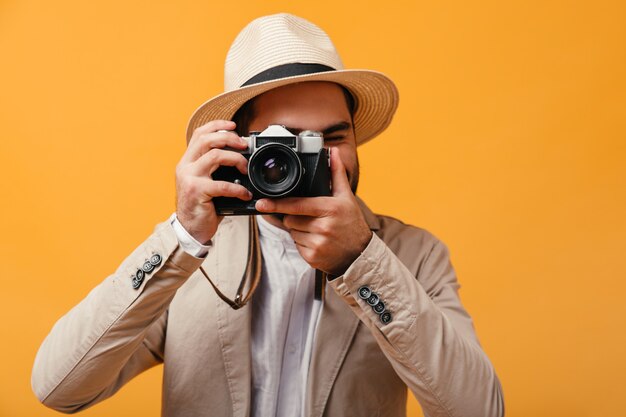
x,y
376,98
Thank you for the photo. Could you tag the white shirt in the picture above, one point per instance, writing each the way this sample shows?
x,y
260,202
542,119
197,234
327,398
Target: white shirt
x,y
284,321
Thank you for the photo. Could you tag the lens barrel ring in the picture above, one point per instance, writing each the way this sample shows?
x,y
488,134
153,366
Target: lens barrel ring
x,y
275,185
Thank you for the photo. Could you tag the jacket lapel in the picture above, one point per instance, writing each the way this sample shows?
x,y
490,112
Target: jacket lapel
x,y
335,331
231,250
336,328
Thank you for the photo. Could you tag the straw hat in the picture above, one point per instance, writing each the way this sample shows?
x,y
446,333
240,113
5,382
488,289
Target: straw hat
x,y
282,49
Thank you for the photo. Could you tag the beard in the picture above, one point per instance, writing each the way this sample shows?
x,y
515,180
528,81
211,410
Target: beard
x,y
353,177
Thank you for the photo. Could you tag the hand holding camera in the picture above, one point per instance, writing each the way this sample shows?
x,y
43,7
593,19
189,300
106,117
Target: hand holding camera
x,y
329,232
224,174
280,164
195,189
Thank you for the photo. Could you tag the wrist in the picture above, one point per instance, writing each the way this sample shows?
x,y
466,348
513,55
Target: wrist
x,y
193,229
341,269
189,242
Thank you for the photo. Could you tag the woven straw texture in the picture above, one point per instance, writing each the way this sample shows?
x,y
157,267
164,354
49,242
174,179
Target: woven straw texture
x,y
281,39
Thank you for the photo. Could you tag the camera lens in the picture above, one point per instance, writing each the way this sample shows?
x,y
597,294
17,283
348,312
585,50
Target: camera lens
x,y
275,170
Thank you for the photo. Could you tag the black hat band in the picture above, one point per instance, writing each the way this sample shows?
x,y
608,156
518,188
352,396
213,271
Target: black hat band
x,y
287,70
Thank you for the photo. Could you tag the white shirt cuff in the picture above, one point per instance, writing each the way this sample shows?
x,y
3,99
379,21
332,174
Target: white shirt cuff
x,y
188,242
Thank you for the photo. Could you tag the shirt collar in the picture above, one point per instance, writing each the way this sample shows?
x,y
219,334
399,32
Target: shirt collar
x,y
269,231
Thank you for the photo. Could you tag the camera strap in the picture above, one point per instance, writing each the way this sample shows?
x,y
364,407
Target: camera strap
x,y
320,284
252,273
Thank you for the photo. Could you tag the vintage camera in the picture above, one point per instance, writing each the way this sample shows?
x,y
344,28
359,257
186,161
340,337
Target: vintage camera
x,y
280,164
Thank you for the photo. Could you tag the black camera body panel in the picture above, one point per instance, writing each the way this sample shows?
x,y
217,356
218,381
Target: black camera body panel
x,y
280,164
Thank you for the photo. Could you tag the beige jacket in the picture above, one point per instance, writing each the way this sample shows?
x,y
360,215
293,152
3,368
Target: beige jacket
x,y
360,366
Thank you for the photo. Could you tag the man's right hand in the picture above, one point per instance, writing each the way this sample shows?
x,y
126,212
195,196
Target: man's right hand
x,y
195,188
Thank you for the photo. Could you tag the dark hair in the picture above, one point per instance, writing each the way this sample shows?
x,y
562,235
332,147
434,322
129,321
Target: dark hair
x,y
243,116
245,113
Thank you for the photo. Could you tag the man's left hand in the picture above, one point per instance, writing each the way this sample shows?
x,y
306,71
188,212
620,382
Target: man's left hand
x,y
329,232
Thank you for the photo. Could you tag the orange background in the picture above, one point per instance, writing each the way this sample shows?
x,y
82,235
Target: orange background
x,y
509,145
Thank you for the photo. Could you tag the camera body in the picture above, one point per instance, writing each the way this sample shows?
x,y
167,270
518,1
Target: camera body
x,y
280,164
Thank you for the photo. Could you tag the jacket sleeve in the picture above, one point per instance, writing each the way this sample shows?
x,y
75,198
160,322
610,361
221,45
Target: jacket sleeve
x,y
116,332
430,340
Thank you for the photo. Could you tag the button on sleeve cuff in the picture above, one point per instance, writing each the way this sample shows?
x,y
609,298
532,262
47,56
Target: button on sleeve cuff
x,y
373,271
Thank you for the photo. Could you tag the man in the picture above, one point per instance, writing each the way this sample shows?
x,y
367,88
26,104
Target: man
x,y
389,318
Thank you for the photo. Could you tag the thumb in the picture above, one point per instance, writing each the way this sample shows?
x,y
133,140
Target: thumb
x,y
341,185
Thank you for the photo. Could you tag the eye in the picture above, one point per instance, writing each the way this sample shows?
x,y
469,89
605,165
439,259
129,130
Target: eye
x,y
334,138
